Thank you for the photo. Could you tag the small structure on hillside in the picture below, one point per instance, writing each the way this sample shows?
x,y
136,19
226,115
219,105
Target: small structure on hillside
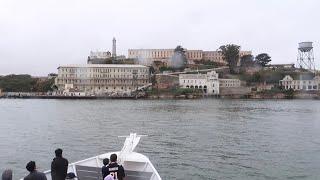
x,y
280,66
105,57
312,84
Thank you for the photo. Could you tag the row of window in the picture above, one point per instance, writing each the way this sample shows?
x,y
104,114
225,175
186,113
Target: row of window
x,y
101,76
195,81
105,88
103,70
197,87
230,85
68,81
194,55
153,54
297,82
191,54
303,87
166,54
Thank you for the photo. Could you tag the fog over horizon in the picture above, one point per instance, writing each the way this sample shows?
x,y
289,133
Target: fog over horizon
x,y
37,36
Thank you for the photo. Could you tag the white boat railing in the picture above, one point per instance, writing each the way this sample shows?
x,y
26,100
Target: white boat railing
x,y
129,145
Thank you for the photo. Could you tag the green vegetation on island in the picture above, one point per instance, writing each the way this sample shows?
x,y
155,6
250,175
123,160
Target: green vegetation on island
x,y
25,83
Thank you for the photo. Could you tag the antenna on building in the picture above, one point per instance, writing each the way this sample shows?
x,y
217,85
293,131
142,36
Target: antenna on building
x,y
306,57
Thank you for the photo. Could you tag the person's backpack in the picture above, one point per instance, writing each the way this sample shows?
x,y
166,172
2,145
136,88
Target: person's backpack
x,y
71,175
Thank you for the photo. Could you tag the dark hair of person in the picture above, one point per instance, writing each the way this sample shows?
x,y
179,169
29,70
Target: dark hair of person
x,y
7,174
113,158
105,161
31,166
58,152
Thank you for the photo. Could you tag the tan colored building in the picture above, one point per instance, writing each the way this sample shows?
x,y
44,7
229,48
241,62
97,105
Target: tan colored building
x,y
147,56
214,56
101,79
194,55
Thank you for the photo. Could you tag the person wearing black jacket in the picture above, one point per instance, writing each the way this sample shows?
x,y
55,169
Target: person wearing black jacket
x,y
59,166
114,169
34,174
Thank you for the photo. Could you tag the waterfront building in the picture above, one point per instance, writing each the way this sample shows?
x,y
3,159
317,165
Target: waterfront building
x,y
148,56
232,88
302,84
101,79
209,82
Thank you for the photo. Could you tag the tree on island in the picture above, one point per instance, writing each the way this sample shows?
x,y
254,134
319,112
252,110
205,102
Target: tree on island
x,y
246,61
231,54
25,83
179,59
263,59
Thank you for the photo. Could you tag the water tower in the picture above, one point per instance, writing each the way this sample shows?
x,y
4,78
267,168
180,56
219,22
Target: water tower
x,y
305,56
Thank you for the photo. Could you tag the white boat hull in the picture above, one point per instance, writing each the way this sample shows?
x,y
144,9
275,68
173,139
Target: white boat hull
x,y
135,162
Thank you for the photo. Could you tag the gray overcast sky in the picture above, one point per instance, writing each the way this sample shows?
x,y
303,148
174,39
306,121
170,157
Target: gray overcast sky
x,y
36,36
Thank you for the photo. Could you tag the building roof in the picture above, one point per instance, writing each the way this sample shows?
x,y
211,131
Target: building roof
x,y
193,76
103,66
301,77
142,49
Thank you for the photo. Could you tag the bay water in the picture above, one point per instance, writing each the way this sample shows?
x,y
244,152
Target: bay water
x,y
187,139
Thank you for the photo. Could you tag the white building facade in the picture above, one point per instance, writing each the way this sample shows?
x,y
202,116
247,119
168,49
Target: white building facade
x,y
305,85
101,79
209,82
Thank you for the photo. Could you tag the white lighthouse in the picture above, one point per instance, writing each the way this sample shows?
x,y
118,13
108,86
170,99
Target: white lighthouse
x,y
114,47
